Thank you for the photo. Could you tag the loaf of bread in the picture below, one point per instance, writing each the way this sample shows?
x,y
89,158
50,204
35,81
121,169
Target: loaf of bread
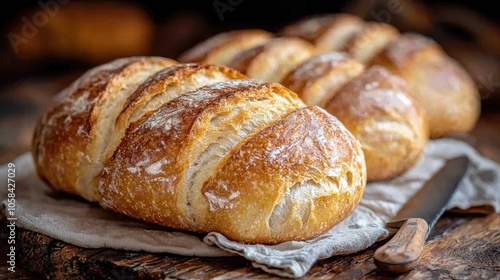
x,y
92,32
201,148
372,103
446,91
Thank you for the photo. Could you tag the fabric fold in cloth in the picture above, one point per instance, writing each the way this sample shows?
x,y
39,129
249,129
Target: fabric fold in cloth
x,y
87,225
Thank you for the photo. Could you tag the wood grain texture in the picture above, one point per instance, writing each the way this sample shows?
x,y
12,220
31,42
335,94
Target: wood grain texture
x,y
472,251
459,246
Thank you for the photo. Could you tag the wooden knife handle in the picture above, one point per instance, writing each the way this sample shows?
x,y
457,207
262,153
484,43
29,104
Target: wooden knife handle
x,y
402,253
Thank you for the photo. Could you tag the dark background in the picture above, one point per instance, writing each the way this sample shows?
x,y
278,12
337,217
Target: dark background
x,y
178,25
268,14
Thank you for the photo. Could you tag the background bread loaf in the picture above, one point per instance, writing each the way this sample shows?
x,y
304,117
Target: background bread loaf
x,y
201,148
82,31
444,99
446,91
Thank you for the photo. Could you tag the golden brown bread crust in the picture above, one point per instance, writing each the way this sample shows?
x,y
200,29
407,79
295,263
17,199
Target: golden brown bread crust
x,y
158,163
185,145
317,174
144,93
221,48
446,91
170,77
328,32
317,79
391,126
272,60
67,140
164,86
150,164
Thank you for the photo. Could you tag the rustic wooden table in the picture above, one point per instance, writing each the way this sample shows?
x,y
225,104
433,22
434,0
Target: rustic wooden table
x,y
461,245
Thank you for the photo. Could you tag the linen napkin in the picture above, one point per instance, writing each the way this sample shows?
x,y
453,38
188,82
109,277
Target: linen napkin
x,y
39,209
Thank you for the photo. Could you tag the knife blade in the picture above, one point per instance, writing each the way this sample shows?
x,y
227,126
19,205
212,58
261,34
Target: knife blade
x,y
417,216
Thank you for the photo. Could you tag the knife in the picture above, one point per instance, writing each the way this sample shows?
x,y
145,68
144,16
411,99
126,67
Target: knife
x,y
418,215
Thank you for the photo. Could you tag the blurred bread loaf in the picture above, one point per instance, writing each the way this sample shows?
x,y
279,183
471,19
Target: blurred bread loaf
x,y
90,32
446,91
443,87
474,41
201,148
343,33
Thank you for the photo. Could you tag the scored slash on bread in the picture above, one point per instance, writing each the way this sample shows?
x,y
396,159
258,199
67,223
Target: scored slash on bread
x,y
221,48
328,32
318,78
200,148
272,60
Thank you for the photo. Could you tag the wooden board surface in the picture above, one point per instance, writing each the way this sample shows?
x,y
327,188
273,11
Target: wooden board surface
x,y
459,247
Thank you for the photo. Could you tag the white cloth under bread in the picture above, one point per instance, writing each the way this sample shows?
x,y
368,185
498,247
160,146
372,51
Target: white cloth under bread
x,y
83,224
